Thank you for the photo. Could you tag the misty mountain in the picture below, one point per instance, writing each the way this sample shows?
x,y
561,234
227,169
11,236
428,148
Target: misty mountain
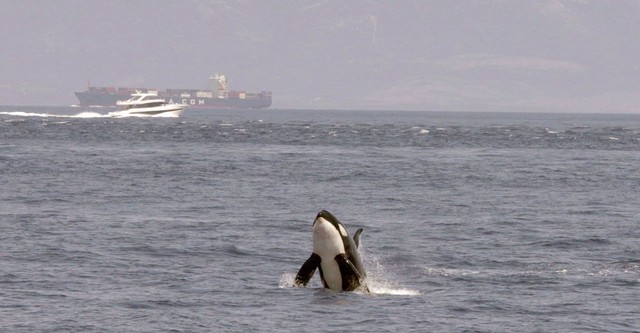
x,y
419,55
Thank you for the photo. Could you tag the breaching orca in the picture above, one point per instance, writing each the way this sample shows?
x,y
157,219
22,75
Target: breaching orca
x,y
335,254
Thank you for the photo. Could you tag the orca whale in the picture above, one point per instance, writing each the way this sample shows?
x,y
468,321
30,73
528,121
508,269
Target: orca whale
x,y
335,255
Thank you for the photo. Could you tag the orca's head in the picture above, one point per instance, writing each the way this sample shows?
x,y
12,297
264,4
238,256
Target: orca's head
x,y
325,216
328,235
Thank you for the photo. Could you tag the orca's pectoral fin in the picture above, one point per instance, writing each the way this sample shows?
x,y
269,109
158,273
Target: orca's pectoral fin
x,y
356,237
306,271
351,277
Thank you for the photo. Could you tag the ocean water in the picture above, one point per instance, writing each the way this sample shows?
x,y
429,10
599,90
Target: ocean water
x,y
473,222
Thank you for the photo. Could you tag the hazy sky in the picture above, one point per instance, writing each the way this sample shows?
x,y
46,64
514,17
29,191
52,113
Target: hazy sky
x,y
475,55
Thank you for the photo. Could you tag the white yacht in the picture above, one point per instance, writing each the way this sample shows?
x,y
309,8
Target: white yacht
x,y
149,105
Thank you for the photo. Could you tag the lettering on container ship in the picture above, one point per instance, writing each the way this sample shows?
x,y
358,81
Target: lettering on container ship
x,y
189,101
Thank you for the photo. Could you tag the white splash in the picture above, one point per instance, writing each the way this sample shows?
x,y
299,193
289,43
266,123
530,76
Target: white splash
x,y
381,282
287,280
387,288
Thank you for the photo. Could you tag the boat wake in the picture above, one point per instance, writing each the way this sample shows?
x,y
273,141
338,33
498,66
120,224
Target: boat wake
x,y
84,115
160,115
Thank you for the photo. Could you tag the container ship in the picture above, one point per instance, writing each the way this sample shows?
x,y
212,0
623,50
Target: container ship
x,y
218,96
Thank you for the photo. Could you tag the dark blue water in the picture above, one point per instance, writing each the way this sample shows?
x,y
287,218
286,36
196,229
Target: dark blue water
x,y
473,222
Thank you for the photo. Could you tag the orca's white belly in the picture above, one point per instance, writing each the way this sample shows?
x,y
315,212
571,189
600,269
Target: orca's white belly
x,y
327,243
331,274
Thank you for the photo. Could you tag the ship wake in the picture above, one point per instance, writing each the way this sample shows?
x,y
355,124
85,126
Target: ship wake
x,y
83,115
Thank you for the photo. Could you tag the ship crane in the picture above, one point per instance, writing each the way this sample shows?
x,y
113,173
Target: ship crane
x,y
221,81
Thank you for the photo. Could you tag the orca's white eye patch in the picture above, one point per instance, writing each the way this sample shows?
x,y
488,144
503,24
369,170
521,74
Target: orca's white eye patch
x,y
343,232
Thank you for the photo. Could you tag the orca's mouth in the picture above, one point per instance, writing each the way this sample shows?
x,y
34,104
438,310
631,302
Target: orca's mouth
x,y
328,217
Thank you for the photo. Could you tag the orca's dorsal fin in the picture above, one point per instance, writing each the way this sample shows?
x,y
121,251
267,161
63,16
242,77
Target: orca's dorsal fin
x,y
356,237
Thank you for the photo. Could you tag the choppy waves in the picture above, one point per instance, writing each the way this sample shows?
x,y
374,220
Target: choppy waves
x,y
436,136
474,223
